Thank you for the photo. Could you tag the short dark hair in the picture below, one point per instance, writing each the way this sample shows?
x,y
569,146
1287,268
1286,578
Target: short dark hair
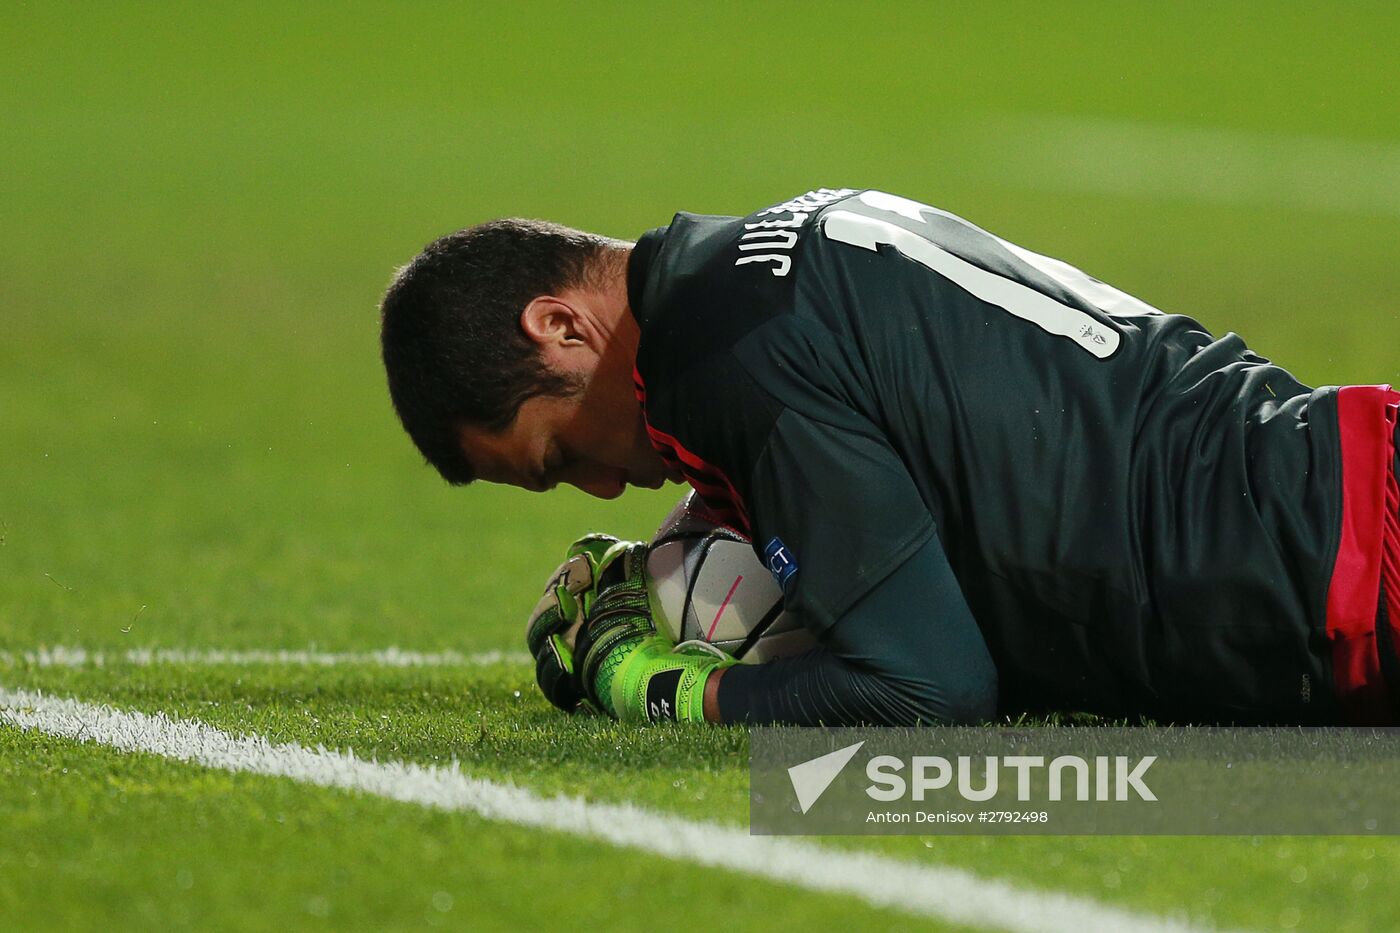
x,y
454,351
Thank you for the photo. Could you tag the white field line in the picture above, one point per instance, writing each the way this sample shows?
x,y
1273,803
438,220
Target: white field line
x,y
944,893
60,656
1191,163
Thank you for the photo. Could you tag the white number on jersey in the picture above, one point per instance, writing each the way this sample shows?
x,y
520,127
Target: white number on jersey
x,y
1016,299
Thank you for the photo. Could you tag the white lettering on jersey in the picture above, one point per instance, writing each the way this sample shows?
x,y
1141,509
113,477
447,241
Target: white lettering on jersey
x,y
810,201
778,236
782,264
773,239
796,220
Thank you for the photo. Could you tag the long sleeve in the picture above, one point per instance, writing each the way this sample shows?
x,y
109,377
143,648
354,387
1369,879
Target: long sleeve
x,y
908,652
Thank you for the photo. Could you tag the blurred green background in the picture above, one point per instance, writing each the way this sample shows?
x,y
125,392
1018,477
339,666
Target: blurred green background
x,y
202,205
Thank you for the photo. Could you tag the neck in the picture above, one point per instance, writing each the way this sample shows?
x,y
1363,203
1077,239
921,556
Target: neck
x,y
614,313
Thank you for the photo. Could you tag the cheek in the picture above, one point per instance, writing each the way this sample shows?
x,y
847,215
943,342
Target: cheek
x,y
641,442
622,433
595,441
612,434
632,431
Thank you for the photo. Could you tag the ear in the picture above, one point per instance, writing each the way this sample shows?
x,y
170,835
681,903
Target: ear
x,y
553,322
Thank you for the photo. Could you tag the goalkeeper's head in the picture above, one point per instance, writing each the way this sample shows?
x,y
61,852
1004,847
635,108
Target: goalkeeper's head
x,y
509,349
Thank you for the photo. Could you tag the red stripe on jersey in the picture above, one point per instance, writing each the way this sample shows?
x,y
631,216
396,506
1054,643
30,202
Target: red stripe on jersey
x,y
715,497
1390,547
708,480
1365,416
721,495
671,459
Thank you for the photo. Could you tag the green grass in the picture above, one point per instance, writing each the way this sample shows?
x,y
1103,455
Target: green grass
x,y
490,721
196,448
165,846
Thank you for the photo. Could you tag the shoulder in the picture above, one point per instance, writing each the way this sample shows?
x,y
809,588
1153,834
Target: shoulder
x,y
715,279
724,305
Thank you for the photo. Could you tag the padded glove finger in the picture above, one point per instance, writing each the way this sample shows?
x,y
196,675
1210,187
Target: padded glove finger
x,y
554,622
623,665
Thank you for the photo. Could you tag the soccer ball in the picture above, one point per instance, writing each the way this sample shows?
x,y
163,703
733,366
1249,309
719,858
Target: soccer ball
x,y
708,585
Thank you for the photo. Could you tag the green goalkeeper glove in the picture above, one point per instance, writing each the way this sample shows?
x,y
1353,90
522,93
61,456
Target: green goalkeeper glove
x,y
556,619
625,666
593,637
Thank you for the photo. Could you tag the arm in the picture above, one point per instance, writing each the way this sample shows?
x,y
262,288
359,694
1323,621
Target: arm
x,y
871,580
860,566
908,652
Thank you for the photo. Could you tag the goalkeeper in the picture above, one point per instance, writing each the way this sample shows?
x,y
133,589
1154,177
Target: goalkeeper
x,y
986,482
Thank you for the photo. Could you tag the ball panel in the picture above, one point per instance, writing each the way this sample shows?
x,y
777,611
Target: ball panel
x,y
732,592
708,584
667,577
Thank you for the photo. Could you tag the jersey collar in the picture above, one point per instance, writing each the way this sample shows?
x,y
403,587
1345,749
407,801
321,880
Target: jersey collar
x,y
639,267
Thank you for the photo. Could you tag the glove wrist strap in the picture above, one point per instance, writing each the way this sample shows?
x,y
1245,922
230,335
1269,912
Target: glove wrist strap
x,y
654,683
